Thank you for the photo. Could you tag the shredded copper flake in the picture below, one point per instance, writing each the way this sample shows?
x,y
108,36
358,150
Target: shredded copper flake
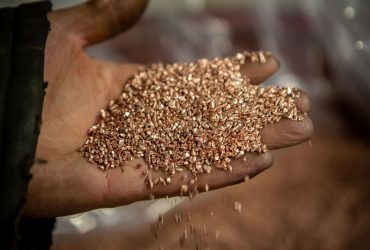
x,y
188,116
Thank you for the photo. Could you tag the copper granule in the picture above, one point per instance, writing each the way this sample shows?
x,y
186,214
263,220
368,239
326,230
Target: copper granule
x,y
188,116
188,216
177,218
217,234
237,206
184,237
246,178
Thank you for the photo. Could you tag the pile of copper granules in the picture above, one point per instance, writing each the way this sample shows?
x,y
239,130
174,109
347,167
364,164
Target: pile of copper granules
x,y
188,116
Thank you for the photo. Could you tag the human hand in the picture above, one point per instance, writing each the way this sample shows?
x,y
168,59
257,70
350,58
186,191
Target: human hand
x,y
79,86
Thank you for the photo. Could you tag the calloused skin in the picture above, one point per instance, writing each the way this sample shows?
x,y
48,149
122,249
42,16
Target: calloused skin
x,y
79,86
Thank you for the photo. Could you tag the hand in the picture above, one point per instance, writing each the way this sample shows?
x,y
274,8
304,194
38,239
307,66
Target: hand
x,y
78,87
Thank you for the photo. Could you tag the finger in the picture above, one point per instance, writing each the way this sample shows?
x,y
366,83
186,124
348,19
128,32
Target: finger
x,y
184,184
132,185
258,71
98,20
303,102
287,133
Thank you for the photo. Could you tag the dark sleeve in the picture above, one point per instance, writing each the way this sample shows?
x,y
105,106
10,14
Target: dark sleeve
x,y
23,33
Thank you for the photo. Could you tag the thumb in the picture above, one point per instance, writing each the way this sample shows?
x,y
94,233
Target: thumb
x,y
98,20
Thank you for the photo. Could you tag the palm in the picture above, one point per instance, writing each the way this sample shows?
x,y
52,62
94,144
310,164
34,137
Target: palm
x,y
78,88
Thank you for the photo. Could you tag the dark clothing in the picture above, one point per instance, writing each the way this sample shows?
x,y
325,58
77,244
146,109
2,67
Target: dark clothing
x,y
23,33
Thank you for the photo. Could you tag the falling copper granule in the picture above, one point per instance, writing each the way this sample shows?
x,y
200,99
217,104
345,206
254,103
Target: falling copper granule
x,y
188,116
183,190
160,220
237,207
188,216
177,218
217,234
246,178
184,237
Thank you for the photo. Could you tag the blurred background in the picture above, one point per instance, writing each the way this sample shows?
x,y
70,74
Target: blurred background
x,y
317,195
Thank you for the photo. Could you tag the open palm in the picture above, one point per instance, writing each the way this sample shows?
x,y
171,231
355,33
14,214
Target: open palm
x,y
78,87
